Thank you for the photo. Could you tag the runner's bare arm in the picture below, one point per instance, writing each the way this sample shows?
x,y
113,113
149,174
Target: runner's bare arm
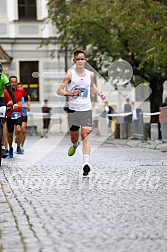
x,y
61,89
94,88
27,103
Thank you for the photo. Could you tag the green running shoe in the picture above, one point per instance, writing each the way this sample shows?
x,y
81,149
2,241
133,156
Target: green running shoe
x,y
72,150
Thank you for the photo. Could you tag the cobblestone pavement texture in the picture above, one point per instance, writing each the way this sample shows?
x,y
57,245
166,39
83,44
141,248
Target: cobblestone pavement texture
x,y
46,204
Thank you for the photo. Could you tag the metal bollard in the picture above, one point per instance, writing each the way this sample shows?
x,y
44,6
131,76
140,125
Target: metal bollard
x,y
154,131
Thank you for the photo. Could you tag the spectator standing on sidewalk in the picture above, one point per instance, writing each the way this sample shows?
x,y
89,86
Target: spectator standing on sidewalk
x,y
109,110
110,119
134,112
79,82
46,110
14,116
128,118
164,104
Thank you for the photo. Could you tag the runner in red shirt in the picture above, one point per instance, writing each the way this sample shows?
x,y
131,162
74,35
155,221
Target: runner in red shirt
x,y
14,115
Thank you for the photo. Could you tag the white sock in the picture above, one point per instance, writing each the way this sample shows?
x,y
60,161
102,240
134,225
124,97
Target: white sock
x,y
86,158
75,144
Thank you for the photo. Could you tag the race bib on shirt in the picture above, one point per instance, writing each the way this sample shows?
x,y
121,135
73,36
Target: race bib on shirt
x,y
83,92
15,115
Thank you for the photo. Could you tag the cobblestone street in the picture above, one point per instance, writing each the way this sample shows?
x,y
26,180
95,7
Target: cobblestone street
x,y
47,205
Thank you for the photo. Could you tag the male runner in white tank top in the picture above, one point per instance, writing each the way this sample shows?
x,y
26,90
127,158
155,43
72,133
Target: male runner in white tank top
x,y
79,82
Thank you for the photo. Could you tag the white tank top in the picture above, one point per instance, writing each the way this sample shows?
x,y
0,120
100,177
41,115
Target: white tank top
x,y
83,101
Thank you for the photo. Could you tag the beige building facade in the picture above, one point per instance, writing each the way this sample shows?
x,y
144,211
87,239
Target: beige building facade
x,y
22,29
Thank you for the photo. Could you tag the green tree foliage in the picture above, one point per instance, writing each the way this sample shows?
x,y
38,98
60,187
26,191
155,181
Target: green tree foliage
x,y
135,30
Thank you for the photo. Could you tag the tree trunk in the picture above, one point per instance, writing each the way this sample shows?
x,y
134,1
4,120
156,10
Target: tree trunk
x,y
155,98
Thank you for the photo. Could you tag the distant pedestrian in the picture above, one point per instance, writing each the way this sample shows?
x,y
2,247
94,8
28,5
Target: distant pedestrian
x,y
128,118
46,110
110,119
109,110
128,109
164,104
134,112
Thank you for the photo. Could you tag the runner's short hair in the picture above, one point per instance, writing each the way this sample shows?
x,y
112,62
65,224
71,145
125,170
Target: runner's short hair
x,y
77,51
12,76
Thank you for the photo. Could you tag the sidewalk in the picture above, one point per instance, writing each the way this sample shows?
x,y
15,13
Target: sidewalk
x,y
131,142
157,145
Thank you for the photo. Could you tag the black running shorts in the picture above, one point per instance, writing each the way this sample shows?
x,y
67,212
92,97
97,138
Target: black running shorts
x,y
12,122
24,119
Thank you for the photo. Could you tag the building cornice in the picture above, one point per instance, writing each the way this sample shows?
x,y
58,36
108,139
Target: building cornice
x,y
25,40
4,57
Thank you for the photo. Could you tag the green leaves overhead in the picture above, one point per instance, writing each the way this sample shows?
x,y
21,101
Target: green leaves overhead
x,y
135,30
